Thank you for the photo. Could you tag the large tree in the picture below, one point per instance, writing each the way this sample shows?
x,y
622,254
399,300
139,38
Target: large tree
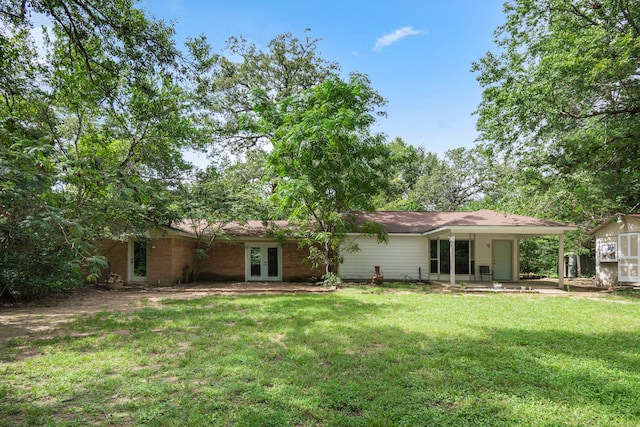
x,y
451,183
286,67
325,160
561,103
229,191
407,164
92,127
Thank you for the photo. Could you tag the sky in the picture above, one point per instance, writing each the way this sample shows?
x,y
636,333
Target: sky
x,y
417,53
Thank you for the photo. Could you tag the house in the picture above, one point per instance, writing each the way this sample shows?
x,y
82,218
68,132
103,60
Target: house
x,y
245,252
618,250
447,246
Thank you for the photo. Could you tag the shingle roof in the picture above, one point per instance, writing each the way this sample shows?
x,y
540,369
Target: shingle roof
x,y
422,222
611,219
253,228
393,222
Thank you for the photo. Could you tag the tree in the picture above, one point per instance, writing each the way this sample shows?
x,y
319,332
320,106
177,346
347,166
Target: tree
x,y
288,66
407,165
453,182
92,129
325,161
561,101
228,192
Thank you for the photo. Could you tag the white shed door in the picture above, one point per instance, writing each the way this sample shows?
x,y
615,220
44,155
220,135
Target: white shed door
x,y
629,257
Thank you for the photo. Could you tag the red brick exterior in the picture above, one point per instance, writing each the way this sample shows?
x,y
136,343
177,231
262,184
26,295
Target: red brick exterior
x,y
168,256
117,254
224,261
167,259
295,267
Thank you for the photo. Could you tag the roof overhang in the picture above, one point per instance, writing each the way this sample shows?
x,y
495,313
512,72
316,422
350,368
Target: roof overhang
x,y
522,230
351,234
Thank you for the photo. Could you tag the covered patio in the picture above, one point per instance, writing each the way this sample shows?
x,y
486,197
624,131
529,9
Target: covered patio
x,y
486,252
448,247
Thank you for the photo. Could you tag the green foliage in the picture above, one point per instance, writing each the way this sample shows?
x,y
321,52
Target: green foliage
x,y
356,357
217,196
288,66
91,130
561,104
331,280
325,161
539,255
453,182
406,165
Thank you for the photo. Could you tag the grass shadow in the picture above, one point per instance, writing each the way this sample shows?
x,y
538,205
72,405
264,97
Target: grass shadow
x,y
354,358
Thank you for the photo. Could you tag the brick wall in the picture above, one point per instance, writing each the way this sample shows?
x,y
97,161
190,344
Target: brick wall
x,y
117,254
182,257
166,259
225,261
294,266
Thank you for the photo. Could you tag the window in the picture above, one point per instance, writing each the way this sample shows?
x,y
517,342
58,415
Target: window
x,y
433,256
440,260
462,257
629,257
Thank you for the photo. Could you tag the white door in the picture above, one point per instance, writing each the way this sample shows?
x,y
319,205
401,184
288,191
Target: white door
x,y
502,260
629,257
263,263
137,260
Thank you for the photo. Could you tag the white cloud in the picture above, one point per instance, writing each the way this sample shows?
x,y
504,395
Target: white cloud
x,y
399,34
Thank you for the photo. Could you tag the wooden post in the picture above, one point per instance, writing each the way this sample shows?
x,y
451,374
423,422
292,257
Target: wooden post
x,y
452,259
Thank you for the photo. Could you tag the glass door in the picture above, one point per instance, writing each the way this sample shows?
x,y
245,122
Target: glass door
x,y
263,263
138,260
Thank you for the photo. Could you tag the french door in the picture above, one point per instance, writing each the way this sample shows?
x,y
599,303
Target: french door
x,y
264,263
629,257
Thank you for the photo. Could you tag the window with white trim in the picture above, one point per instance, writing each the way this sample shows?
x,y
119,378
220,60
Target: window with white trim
x,y
629,257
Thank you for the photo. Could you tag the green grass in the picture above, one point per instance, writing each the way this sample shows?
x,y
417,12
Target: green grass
x,y
357,357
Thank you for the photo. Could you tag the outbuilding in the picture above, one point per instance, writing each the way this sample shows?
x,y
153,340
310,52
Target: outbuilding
x,y
618,250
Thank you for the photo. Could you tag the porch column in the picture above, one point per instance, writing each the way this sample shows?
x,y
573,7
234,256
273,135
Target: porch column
x,y
561,260
452,259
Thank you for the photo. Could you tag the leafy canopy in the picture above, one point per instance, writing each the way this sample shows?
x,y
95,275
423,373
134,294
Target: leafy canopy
x,y
325,161
561,101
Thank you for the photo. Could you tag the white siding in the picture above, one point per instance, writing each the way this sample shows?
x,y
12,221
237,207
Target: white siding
x,y
399,259
606,271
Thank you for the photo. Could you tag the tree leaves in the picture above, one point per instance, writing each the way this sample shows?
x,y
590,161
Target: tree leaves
x,y
563,94
325,161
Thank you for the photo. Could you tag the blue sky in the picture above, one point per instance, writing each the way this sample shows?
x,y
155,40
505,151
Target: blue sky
x,y
417,53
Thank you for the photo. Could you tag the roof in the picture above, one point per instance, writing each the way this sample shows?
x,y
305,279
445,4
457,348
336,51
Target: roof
x,y
254,228
425,222
399,222
611,219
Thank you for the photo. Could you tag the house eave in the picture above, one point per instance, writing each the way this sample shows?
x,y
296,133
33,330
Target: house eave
x,y
416,234
524,230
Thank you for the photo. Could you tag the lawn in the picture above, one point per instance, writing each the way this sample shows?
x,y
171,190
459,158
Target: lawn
x,y
356,357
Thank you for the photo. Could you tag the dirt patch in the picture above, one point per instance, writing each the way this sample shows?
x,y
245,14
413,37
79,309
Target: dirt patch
x,y
41,317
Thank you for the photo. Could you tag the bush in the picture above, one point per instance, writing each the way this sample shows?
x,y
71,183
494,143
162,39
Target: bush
x,y
30,275
331,280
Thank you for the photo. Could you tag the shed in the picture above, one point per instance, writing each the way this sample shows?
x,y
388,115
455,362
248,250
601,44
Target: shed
x,y
618,250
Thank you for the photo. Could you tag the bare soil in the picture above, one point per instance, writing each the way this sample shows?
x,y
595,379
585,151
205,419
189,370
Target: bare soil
x,y
41,318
